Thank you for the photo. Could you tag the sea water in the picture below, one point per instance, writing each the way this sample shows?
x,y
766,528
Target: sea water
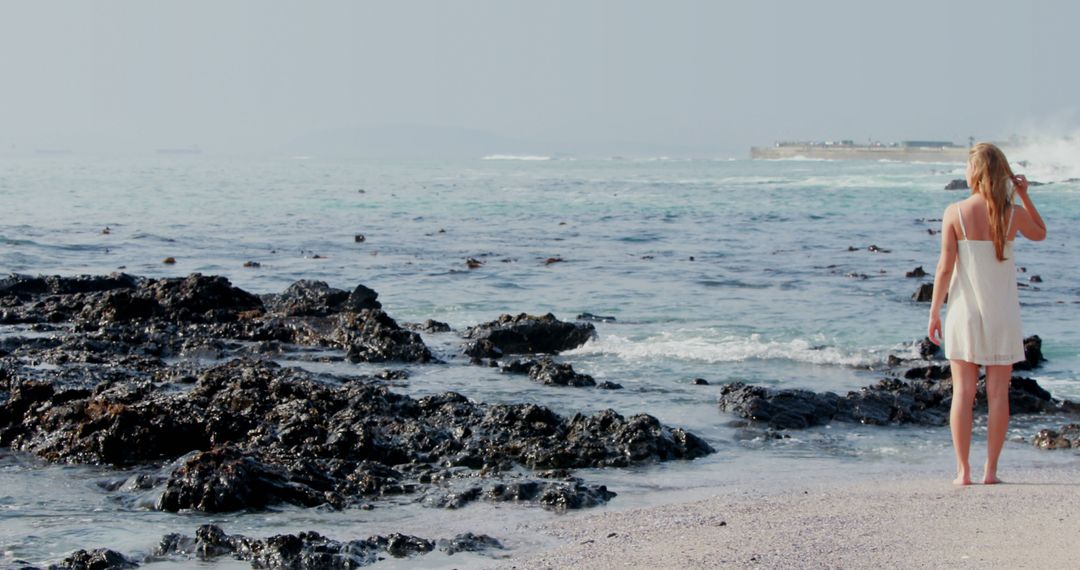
x,y
725,270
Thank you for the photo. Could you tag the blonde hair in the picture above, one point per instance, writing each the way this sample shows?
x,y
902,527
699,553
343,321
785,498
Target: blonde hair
x,y
991,177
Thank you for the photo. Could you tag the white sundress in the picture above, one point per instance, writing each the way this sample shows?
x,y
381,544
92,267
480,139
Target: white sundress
x,y
983,321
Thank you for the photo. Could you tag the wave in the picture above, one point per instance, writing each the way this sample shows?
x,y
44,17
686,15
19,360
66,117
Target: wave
x,y
1047,159
714,349
516,157
800,158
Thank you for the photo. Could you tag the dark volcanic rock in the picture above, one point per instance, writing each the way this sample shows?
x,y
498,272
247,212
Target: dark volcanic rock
x,y
546,371
251,434
526,334
957,184
195,298
306,550
925,294
780,409
98,559
370,335
224,480
923,401
1068,436
917,272
927,349
306,298
199,316
1033,356
468,542
429,326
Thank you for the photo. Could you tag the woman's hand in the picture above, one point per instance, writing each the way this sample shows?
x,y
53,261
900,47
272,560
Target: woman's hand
x,y
934,329
1020,183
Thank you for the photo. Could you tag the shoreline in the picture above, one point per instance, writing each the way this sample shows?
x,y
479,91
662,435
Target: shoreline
x,y
882,521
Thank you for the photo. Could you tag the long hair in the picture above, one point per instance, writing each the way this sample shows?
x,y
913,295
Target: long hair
x,y
991,177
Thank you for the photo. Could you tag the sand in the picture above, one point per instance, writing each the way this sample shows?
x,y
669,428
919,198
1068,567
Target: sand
x,y
880,522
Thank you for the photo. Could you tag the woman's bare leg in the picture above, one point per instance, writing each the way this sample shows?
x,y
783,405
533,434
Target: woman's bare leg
x,y
965,376
997,397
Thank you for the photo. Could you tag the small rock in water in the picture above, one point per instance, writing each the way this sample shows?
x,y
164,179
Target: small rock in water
x,y
359,238
473,263
252,264
608,385
857,275
691,258
927,349
957,184
917,272
1035,279
877,249
925,294
551,260
106,231
169,260
852,248
595,318
317,256
700,382
932,231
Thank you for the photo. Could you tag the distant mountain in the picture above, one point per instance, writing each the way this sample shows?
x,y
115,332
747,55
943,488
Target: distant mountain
x,y
410,141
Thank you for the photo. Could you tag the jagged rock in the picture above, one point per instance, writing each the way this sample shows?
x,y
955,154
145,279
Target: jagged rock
x,y
370,335
1033,356
957,184
225,480
525,334
1068,436
306,550
547,371
927,349
97,559
468,542
917,272
570,493
195,298
925,294
922,401
250,434
780,409
307,298
429,326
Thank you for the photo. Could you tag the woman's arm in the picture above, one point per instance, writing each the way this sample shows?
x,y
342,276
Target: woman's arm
x,y
943,274
1030,223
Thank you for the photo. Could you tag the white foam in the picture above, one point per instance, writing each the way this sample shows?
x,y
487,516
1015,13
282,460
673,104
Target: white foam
x,y
515,157
711,348
1047,158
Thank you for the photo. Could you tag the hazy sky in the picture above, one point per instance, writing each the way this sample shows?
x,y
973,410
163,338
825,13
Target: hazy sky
x,y
712,76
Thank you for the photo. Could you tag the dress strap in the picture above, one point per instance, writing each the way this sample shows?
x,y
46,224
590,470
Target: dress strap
x,y
1012,214
958,213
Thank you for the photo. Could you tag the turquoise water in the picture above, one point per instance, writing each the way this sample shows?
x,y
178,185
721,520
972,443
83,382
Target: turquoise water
x,y
723,270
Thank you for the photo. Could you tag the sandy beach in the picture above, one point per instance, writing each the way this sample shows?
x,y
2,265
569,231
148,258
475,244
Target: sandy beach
x,y
878,522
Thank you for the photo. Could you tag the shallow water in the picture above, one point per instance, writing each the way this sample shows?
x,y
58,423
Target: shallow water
x,y
723,270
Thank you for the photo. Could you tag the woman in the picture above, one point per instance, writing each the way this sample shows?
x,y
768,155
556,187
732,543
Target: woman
x,y
983,323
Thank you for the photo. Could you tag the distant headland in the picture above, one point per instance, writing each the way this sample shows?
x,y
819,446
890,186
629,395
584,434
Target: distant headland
x,y
906,151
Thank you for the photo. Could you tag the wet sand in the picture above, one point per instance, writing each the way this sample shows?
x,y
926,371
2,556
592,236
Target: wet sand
x,y
883,521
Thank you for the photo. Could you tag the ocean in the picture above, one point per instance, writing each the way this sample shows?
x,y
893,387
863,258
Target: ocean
x,y
722,270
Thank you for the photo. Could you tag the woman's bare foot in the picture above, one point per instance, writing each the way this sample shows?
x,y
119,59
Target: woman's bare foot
x,y
962,479
991,480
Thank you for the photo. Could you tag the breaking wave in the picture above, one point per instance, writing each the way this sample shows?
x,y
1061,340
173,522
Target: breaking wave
x,y
716,349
